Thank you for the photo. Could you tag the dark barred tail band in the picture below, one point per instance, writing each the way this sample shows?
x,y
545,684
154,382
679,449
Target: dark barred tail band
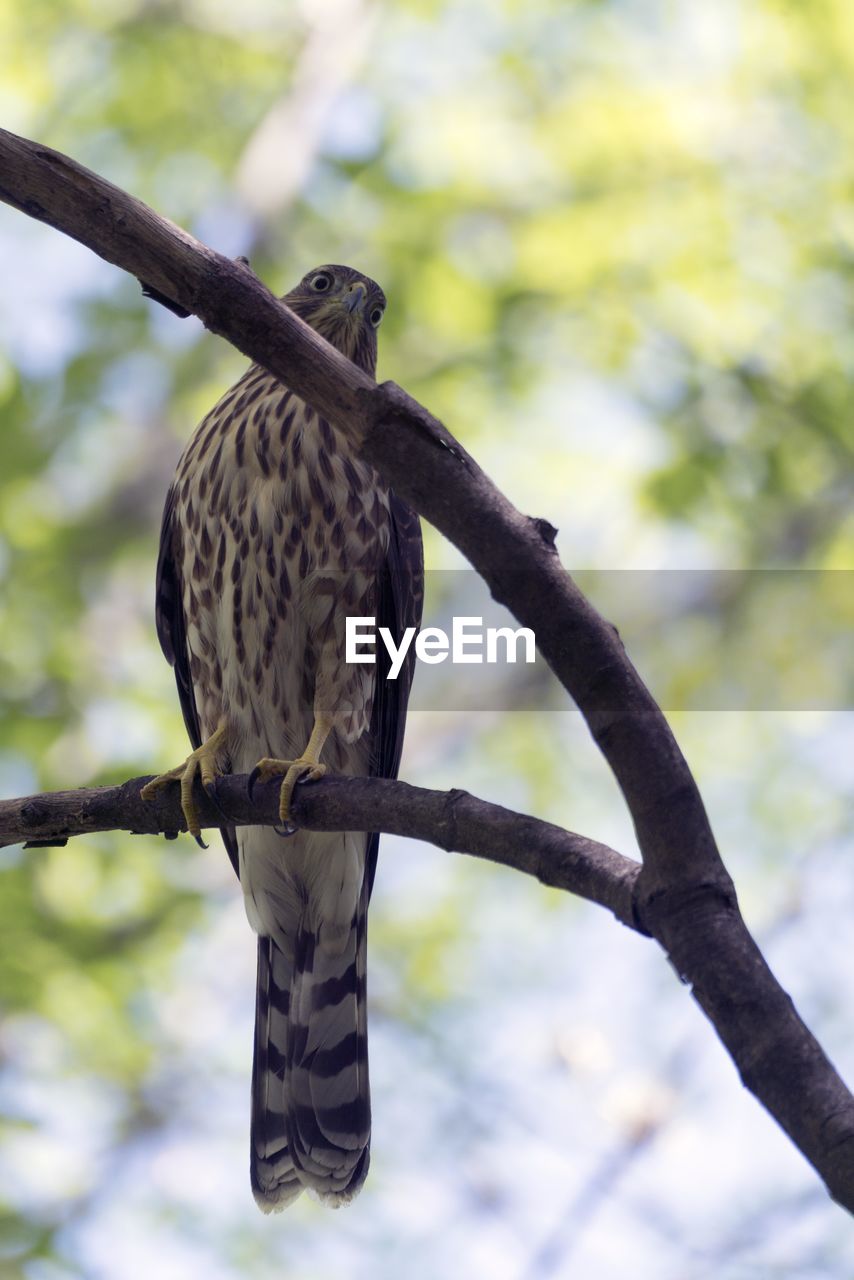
x,y
311,1112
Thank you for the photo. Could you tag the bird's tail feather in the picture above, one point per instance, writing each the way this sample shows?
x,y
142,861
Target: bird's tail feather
x,y
311,1115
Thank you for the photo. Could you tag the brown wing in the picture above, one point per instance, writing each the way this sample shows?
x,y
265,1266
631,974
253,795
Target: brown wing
x,y
401,600
172,634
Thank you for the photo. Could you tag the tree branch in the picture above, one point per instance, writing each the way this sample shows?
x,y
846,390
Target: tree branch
x,y
684,896
452,820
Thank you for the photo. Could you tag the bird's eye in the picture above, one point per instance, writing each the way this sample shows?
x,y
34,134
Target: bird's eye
x,y
376,315
321,282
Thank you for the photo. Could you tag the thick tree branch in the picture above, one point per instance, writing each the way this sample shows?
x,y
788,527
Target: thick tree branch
x,y
452,820
684,895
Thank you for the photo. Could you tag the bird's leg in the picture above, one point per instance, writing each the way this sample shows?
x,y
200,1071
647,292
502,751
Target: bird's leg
x,y
202,761
306,766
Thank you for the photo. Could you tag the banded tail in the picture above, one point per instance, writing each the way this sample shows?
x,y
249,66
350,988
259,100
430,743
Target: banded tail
x,y
311,1109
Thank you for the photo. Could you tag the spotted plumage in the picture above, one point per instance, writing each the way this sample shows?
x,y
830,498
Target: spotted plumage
x,y
273,533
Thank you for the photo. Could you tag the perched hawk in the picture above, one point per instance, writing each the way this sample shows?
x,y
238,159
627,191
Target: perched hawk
x,y
273,533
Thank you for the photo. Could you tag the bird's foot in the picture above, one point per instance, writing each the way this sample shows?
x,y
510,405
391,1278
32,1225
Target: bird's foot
x,y
202,761
306,767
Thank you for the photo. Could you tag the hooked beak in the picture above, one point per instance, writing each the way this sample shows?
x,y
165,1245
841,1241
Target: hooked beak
x,y
355,297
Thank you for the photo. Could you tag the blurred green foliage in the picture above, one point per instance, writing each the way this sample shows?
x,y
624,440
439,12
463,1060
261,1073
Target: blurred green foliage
x,y
617,238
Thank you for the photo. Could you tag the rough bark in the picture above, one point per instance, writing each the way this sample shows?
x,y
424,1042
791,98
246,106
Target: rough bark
x,y
452,820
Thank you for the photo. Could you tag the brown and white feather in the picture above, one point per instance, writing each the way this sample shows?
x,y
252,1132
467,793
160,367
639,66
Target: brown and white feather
x,y
273,533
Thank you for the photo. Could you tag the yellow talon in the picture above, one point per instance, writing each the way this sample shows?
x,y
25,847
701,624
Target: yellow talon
x,y
202,761
307,766
294,770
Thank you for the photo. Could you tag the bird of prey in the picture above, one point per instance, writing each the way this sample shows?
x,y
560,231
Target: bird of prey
x,y
273,533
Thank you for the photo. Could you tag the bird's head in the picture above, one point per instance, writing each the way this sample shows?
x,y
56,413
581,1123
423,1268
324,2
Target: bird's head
x,y
345,308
